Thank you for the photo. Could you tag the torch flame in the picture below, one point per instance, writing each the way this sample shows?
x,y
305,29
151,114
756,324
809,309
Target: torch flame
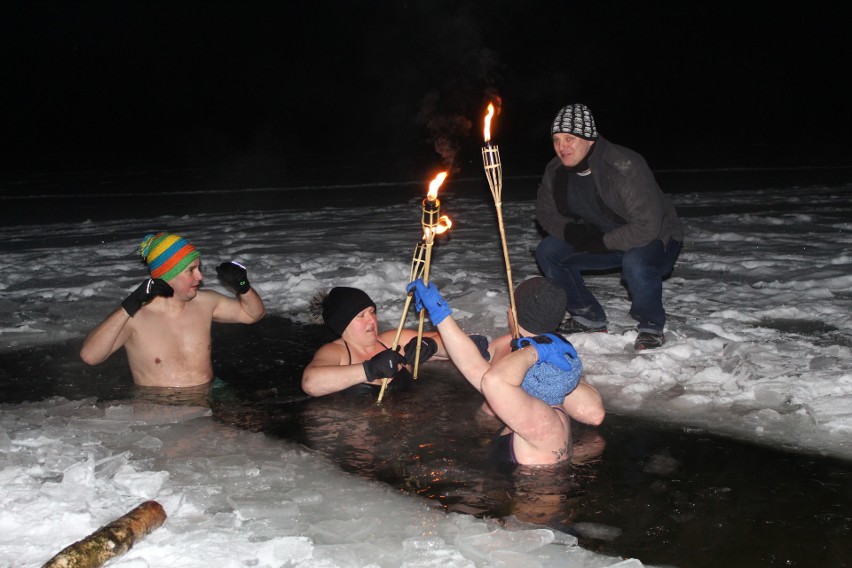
x,y
444,224
488,117
432,194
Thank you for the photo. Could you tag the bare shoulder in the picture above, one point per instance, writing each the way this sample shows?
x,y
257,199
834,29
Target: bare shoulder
x,y
210,299
332,353
211,296
500,347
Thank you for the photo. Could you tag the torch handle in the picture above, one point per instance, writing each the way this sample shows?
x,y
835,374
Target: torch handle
x,y
417,265
428,261
382,390
401,322
513,323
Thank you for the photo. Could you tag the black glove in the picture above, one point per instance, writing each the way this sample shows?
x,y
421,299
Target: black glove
x,y
584,238
428,347
481,343
234,276
145,293
383,365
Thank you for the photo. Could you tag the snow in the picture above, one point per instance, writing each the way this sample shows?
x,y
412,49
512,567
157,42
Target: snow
x,y
758,348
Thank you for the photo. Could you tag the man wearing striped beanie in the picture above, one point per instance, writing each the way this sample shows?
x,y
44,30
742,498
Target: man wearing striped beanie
x,y
168,342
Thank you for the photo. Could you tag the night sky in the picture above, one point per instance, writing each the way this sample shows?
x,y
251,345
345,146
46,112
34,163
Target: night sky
x,y
319,88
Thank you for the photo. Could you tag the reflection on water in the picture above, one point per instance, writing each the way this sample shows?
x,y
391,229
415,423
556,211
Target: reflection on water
x,y
184,396
430,441
666,495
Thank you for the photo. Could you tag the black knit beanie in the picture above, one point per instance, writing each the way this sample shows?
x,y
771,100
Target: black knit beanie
x,y
341,305
540,304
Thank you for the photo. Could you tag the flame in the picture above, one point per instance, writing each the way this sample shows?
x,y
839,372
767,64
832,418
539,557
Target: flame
x,y
439,228
444,224
432,195
488,117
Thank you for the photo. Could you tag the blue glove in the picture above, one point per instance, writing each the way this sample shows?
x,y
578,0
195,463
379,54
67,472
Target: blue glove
x,y
427,296
554,349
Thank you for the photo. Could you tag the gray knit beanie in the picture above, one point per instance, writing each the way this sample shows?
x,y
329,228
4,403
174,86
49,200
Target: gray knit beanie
x,y
540,304
575,119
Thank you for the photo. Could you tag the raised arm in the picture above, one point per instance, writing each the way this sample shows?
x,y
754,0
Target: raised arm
x,y
112,333
247,307
460,348
107,338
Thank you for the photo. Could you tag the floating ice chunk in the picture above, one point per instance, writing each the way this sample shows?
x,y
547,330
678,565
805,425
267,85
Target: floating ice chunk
x,y
564,539
432,553
339,555
142,484
423,543
596,530
285,550
108,466
98,425
263,505
304,496
485,545
335,531
661,464
629,563
279,471
119,412
228,467
155,414
81,473
149,443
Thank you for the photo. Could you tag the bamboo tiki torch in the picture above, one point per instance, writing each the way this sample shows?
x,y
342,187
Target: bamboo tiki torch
x,y
494,174
416,270
433,224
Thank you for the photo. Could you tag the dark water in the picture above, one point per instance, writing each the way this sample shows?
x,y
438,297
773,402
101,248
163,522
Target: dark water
x,y
666,495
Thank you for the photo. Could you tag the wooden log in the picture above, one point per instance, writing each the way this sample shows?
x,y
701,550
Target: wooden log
x,y
111,540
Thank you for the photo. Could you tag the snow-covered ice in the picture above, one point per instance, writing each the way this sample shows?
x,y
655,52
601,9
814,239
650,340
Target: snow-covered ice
x,y
758,348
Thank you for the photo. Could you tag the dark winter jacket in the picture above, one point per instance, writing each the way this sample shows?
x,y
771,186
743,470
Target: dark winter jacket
x,y
626,190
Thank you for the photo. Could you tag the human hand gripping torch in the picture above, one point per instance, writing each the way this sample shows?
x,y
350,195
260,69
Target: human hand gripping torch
x,y
433,224
494,174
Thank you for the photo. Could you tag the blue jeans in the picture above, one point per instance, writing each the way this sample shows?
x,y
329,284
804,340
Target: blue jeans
x,y
642,271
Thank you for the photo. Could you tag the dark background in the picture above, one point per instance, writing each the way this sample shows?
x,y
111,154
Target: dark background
x,y
393,90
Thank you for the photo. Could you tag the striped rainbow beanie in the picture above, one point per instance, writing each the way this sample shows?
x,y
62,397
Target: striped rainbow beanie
x,y
166,254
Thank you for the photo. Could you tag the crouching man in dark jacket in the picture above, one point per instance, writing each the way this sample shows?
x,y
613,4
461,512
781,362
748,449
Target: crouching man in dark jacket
x,y
602,209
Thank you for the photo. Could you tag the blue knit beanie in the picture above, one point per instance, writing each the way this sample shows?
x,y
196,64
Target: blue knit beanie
x,y
551,384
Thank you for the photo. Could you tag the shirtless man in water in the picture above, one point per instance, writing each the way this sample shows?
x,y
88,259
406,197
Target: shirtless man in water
x,y
361,354
164,325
